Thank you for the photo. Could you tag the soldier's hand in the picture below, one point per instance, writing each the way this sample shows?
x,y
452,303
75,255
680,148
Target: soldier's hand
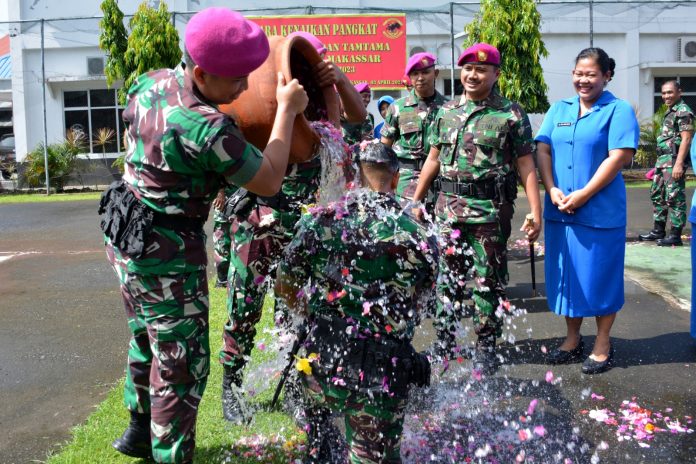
x,y
326,74
291,96
418,214
219,201
678,170
532,230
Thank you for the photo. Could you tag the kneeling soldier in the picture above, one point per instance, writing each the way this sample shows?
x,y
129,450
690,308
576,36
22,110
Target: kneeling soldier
x,y
364,271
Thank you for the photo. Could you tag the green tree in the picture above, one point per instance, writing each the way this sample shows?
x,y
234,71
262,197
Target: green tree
x,y
153,43
113,39
512,26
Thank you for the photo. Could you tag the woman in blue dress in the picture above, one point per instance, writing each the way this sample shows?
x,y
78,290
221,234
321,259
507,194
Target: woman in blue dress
x,y
692,220
582,145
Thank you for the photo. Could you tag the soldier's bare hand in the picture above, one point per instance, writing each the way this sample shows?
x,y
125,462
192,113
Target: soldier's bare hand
x,y
532,230
678,171
219,200
291,96
326,74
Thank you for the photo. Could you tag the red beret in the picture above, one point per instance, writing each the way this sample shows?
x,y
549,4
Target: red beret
x,y
481,53
362,87
316,43
419,61
225,43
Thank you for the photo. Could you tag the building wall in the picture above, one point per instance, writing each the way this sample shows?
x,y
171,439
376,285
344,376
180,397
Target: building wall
x,y
642,41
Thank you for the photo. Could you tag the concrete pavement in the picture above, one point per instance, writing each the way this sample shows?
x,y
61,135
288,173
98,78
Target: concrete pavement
x,y
63,339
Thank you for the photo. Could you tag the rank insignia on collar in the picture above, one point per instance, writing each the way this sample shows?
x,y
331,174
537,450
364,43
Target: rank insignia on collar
x,y
482,55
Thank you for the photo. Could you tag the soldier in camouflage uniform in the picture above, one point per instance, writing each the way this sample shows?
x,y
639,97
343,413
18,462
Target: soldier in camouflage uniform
x,y
408,121
366,270
180,150
479,146
668,184
357,132
222,237
260,234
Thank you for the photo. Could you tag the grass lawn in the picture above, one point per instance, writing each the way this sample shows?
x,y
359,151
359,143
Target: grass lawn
x,y
7,198
216,441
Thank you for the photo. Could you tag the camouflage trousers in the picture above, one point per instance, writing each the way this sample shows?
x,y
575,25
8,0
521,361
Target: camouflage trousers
x,y
168,355
668,198
259,241
373,424
222,245
478,253
408,181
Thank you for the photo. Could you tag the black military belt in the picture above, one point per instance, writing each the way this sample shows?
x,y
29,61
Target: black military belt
x,y
409,163
177,222
485,190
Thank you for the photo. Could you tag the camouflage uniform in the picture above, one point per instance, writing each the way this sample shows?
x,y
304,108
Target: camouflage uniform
x,y
408,124
666,193
366,263
222,239
355,133
478,142
259,239
179,150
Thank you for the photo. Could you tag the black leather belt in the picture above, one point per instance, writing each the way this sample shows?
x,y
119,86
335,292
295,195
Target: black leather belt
x,y
410,163
484,190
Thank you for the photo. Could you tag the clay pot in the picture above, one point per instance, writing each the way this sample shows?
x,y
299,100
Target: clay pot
x,y
255,109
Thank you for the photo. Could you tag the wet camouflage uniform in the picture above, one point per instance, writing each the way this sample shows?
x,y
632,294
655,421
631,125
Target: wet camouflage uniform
x,y
179,150
666,193
478,142
259,240
360,262
356,133
222,239
408,124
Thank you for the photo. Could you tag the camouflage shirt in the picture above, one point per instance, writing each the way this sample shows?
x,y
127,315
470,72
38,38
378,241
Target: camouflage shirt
x,y
366,261
478,141
679,118
355,133
408,124
180,146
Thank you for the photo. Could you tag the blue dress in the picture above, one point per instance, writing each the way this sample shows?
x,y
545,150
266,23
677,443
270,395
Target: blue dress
x,y
585,251
692,220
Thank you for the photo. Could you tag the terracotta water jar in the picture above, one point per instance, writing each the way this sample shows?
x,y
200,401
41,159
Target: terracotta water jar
x,y
255,109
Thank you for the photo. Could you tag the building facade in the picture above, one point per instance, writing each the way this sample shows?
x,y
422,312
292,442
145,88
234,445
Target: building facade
x,y
56,43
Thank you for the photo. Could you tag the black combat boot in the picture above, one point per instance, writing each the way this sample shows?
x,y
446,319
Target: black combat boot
x,y
232,396
656,233
485,360
135,441
673,239
221,279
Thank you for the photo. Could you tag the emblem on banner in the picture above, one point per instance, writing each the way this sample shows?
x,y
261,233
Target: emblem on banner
x,y
393,28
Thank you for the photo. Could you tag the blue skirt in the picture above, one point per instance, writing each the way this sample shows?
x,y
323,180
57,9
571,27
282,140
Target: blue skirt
x,y
693,280
584,269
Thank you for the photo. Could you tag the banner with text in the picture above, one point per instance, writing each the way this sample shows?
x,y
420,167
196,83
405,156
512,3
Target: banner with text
x,y
367,48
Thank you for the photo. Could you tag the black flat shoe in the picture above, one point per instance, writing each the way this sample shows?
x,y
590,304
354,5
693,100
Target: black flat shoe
x,y
558,356
590,366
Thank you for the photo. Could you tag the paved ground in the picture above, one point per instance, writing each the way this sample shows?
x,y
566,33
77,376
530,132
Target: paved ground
x,y
63,338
